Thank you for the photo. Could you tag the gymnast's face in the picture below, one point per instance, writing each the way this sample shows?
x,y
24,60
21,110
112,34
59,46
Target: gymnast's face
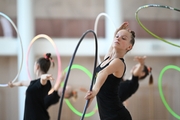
x,y
122,40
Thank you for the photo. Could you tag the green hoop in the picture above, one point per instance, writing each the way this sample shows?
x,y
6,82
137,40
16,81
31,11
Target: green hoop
x,y
147,30
76,66
161,91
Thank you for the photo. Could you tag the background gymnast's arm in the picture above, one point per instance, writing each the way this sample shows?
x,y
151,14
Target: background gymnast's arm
x,y
137,70
26,83
19,83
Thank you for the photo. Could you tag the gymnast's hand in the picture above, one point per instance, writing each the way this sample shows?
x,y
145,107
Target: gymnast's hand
x,y
90,96
45,78
141,60
10,84
138,68
125,25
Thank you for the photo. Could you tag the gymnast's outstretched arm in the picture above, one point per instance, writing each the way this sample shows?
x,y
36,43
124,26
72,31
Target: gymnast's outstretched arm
x,y
19,83
137,69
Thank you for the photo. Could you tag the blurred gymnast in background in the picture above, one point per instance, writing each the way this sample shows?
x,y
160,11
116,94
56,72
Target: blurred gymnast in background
x,y
37,89
139,72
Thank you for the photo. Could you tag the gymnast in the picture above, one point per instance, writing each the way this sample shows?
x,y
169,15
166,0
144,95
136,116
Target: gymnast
x,y
37,90
139,72
109,74
55,92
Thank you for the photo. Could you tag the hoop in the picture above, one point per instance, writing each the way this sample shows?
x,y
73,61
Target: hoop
x,y
53,44
161,91
68,72
96,24
85,70
21,64
147,30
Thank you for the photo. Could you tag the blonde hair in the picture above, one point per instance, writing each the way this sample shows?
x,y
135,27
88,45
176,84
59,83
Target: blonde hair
x,y
73,94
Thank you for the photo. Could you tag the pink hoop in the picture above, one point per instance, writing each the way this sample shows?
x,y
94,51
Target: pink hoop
x,y
55,47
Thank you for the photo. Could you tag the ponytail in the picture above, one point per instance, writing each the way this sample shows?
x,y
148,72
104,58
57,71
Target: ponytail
x,y
151,77
147,71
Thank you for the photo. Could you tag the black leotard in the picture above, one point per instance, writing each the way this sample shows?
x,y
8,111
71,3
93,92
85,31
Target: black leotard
x,y
51,99
109,105
128,87
34,102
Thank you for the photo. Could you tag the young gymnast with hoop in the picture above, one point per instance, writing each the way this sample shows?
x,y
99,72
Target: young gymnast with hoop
x,y
55,92
109,74
37,90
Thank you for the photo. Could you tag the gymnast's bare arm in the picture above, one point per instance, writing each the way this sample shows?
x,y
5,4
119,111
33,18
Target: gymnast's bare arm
x,y
19,83
113,68
137,70
45,78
